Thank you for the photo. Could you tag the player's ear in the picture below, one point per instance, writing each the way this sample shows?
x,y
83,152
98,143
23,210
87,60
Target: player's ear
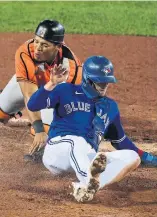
x,y
58,46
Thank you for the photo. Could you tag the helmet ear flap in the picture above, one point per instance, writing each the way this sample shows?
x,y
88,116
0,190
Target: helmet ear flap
x,y
91,83
89,88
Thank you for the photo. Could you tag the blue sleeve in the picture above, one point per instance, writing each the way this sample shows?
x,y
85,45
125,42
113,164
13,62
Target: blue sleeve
x,y
42,99
116,135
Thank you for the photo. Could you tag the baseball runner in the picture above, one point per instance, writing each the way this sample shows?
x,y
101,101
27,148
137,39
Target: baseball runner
x,y
83,116
33,62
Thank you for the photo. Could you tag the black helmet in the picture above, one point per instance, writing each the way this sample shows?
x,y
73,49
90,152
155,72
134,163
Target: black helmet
x,y
51,30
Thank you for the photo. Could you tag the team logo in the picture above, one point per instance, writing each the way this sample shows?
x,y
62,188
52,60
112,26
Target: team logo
x,y
104,117
41,31
106,70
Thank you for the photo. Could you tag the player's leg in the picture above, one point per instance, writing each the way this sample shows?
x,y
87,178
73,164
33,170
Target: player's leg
x,y
56,156
87,173
71,153
96,167
11,100
118,165
78,155
107,168
66,154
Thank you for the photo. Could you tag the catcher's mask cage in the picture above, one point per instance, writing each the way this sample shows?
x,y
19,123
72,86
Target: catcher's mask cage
x,y
96,69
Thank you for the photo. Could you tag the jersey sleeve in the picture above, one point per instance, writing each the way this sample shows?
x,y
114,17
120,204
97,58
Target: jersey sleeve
x,y
42,99
116,135
115,131
75,66
75,74
24,65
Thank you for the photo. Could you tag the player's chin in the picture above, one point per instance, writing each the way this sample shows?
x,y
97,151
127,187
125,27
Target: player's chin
x,y
102,94
38,58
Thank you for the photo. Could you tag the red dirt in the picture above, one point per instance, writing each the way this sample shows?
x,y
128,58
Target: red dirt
x,y
30,190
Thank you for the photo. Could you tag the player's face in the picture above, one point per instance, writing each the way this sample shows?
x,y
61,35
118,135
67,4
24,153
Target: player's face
x,y
44,50
101,88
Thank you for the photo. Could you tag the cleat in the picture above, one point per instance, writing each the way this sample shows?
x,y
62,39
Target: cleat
x,y
98,165
79,192
84,193
149,160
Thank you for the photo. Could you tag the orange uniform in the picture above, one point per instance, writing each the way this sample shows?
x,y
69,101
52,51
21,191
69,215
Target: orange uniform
x,y
28,69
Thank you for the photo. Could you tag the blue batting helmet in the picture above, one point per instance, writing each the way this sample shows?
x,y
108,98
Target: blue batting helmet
x,y
96,69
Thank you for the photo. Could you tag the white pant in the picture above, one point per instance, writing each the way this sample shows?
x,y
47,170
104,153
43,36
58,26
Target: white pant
x,y
73,153
12,101
68,153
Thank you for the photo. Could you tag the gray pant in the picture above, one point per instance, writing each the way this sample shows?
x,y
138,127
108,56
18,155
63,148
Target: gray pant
x,y
12,101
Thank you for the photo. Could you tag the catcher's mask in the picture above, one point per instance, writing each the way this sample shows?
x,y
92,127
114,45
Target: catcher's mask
x,y
96,70
51,30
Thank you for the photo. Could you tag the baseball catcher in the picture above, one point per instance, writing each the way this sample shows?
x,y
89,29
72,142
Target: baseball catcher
x,y
33,62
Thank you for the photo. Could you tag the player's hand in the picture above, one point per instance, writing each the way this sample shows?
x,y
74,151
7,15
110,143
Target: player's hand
x,y
39,142
58,74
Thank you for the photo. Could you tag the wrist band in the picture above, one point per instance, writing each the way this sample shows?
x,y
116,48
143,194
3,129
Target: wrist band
x,y
38,126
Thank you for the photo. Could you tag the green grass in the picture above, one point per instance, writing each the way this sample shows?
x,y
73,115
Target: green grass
x,y
129,18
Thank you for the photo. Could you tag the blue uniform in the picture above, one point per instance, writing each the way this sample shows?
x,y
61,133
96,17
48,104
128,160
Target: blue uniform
x,y
75,114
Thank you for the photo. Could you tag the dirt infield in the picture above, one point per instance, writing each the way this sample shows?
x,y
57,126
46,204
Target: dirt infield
x,y
29,190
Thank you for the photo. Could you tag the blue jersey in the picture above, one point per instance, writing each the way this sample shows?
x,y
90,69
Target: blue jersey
x,y
75,114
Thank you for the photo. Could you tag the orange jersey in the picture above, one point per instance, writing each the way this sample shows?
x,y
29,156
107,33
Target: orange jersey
x,y
27,69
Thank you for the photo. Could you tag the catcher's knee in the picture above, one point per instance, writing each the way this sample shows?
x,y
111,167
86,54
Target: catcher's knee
x,y
4,116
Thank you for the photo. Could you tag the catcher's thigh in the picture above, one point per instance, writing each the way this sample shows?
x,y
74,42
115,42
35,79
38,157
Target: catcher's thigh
x,y
119,164
11,98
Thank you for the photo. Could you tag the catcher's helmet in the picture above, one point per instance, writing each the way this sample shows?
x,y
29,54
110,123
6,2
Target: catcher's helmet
x,y
96,69
51,30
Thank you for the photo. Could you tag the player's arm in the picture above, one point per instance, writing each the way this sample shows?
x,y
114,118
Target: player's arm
x,y
25,70
117,136
28,89
35,117
119,140
45,97
39,100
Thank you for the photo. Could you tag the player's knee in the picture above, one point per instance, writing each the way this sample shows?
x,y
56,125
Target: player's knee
x,y
50,166
133,157
46,161
3,115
